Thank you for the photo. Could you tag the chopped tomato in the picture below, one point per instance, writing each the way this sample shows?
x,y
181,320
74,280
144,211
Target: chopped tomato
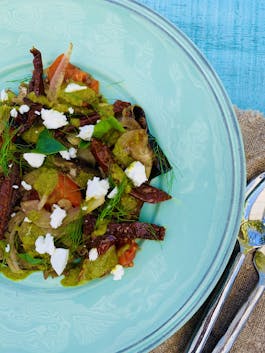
x,y
72,73
94,85
127,253
65,189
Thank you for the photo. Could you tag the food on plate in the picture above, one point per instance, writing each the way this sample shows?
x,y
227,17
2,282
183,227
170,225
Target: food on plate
x,y
75,172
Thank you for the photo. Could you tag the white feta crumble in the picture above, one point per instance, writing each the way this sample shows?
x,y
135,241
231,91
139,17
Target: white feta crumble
x,y
93,254
59,260
73,87
3,95
27,220
26,186
71,153
15,186
136,172
10,165
71,110
52,119
45,245
117,272
113,193
13,113
57,216
97,188
84,208
86,132
37,112
13,214
24,108
35,160
7,248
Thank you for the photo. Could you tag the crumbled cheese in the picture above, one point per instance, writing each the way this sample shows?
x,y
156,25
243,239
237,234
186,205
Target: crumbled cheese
x,y
15,186
84,208
10,165
37,112
52,119
3,95
59,260
27,220
45,245
86,132
7,248
136,172
71,110
24,108
117,272
13,214
26,186
113,193
97,188
73,87
35,160
93,254
57,216
71,153
13,113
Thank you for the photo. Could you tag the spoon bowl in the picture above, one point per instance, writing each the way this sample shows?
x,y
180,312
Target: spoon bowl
x,y
252,236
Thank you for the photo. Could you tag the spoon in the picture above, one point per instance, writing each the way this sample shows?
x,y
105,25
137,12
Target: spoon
x,y
248,242
227,341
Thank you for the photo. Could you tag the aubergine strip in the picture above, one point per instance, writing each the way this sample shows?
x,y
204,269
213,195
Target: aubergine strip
x,y
120,233
102,154
118,107
89,224
36,84
161,164
8,196
25,121
90,119
150,194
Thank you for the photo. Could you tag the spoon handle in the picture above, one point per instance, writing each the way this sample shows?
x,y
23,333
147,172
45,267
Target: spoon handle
x,y
202,333
228,339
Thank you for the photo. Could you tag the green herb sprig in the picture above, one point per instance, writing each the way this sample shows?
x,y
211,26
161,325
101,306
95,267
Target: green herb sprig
x,y
74,233
112,206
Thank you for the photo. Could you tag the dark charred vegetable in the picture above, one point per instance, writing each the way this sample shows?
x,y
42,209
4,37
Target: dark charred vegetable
x,y
139,115
36,84
120,233
150,194
9,195
25,121
118,107
102,154
89,224
89,119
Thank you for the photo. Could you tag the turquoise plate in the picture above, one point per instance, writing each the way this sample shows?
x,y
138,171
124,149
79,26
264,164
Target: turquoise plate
x,y
140,57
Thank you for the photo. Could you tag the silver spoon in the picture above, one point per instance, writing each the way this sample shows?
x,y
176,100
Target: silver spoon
x,y
239,321
250,241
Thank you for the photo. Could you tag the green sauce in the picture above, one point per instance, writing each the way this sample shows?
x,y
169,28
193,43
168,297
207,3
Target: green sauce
x,y
15,276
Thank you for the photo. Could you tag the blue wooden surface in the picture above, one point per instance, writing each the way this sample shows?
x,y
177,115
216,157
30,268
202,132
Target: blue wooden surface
x,y
231,34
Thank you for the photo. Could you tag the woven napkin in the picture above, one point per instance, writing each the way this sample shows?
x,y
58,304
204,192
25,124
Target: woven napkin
x,y
252,337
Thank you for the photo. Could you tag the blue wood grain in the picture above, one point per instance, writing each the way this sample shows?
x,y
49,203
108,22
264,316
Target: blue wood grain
x,y
231,34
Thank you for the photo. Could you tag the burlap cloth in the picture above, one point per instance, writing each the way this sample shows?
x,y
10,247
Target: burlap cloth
x,y
252,337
